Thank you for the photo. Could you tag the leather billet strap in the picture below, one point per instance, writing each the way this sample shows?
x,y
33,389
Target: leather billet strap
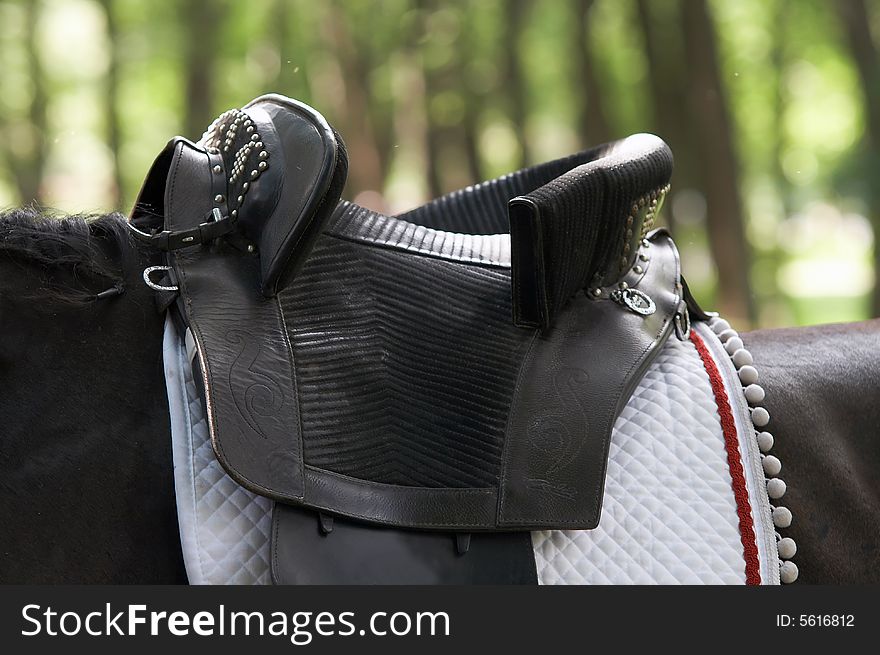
x,y
206,232
583,228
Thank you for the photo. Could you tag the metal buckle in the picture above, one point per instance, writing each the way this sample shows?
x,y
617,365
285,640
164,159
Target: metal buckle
x,y
634,300
682,323
157,287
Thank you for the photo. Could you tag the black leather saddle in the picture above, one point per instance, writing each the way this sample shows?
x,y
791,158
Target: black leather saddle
x,y
457,368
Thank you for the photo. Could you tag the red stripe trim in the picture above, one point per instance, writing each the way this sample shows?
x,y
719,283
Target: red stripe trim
x,y
731,443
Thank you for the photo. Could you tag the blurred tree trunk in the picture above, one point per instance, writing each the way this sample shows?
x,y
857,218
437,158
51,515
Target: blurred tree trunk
x,y
367,166
451,147
111,101
593,125
432,84
473,106
662,44
362,60
771,258
202,20
779,62
516,12
280,27
710,119
857,25
471,135
434,135
25,145
292,78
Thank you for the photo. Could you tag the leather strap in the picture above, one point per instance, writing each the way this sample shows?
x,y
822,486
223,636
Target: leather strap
x,y
168,240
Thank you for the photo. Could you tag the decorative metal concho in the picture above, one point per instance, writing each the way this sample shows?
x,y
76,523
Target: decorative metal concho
x,y
234,136
634,300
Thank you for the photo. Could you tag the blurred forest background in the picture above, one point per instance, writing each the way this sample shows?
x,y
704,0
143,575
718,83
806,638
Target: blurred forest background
x,y
772,108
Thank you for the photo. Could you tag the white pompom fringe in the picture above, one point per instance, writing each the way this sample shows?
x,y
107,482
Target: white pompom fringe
x,y
754,394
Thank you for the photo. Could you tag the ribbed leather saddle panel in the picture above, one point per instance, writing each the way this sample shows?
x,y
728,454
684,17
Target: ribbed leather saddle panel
x,y
405,364
482,208
358,224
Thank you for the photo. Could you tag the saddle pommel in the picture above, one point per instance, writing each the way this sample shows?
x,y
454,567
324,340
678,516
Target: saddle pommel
x,y
266,177
582,229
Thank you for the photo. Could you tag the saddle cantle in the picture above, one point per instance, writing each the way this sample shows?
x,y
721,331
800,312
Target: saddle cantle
x,y
455,368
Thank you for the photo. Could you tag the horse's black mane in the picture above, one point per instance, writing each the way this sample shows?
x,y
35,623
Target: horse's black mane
x,y
76,256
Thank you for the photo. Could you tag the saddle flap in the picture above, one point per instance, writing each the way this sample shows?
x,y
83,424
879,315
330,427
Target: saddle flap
x,y
583,228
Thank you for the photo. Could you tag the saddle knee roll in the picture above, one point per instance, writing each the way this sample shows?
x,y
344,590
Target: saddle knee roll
x,y
583,229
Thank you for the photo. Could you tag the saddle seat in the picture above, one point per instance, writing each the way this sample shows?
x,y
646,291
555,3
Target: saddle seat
x,y
455,368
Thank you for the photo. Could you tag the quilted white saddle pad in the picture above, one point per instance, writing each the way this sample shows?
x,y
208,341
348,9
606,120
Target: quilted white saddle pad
x,y
686,498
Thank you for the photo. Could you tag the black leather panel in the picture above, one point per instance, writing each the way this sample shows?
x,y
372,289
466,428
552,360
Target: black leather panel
x,y
405,364
428,508
277,169
252,404
358,224
573,385
357,553
411,380
242,342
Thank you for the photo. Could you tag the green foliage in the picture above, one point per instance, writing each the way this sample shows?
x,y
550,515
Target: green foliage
x,y
431,95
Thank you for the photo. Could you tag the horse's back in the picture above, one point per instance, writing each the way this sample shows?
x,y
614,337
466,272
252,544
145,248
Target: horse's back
x,y
85,462
823,394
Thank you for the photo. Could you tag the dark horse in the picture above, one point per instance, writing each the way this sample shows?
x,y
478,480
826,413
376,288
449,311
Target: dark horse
x,y
85,463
